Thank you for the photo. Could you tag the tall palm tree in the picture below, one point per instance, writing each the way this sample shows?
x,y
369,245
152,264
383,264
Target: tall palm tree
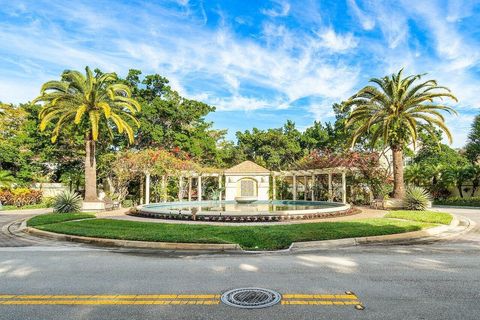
x,y
394,110
90,102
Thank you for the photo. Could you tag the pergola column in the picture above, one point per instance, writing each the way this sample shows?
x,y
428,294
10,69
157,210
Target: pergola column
x,y
147,187
164,188
180,188
189,189
294,187
313,187
330,188
220,187
199,188
305,188
344,188
274,188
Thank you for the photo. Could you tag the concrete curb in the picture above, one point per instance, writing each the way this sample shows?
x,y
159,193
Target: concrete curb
x,y
390,238
294,247
134,244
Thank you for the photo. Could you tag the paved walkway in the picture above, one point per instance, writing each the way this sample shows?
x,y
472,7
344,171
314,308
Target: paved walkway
x,y
121,215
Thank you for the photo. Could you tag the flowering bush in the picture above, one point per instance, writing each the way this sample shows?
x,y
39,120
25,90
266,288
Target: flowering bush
x,y
20,197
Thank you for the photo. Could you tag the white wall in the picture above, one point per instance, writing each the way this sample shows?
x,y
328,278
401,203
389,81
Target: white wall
x,y
231,187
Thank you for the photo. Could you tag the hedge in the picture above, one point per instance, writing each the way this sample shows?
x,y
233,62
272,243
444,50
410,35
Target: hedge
x,y
461,202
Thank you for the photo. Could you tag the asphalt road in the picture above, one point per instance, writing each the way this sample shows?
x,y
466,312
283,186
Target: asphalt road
x,y
438,280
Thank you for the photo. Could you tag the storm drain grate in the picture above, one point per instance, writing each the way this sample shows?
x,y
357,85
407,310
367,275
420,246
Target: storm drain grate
x,y
251,298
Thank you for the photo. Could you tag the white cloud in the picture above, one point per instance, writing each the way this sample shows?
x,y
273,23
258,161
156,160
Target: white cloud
x,y
367,22
337,42
280,9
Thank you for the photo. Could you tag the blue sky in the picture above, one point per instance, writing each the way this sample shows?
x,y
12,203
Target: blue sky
x,y
259,62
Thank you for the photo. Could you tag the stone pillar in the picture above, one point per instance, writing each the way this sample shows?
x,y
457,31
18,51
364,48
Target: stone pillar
x,y
330,189
294,187
313,187
199,188
189,189
147,187
344,188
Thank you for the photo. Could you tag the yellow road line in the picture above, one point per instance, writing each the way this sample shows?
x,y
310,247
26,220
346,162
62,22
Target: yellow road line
x,y
100,296
109,302
319,302
319,296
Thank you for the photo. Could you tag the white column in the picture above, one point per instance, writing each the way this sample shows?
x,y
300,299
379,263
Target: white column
x,y
330,189
220,187
274,188
147,187
305,188
199,188
180,188
189,189
294,187
313,187
164,188
344,188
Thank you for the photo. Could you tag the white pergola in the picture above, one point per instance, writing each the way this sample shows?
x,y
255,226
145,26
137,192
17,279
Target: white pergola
x,y
189,176
310,174
303,176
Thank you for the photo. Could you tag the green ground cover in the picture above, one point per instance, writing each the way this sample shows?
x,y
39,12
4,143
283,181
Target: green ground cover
x,y
271,237
30,206
461,202
422,216
52,218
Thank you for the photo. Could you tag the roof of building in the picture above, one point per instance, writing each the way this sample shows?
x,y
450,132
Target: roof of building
x,y
247,167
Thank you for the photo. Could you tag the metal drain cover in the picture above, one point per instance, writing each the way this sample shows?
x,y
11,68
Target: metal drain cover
x,y
251,298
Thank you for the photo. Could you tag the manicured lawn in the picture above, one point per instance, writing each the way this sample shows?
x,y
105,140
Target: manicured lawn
x,y
57,218
249,237
422,216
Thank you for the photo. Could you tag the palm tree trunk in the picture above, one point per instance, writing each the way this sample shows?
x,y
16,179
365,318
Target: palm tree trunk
x,y
90,171
398,183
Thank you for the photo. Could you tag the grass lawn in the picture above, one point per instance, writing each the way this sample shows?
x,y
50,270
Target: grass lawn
x,y
422,216
271,237
51,218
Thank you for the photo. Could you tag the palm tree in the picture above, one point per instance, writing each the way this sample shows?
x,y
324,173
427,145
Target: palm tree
x,y
6,179
394,110
91,102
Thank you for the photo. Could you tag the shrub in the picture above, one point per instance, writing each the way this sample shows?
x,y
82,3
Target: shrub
x,y
461,202
67,202
20,197
416,198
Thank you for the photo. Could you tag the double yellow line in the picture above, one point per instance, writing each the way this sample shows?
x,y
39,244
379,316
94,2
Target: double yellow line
x,y
145,299
321,299
347,299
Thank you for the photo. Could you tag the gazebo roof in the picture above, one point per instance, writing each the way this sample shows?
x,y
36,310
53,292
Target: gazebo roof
x,y
247,167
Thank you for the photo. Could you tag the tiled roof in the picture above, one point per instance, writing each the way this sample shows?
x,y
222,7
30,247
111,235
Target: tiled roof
x,y
247,167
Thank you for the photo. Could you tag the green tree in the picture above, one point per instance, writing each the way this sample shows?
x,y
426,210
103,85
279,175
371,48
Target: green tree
x,y
473,145
94,103
170,121
394,110
6,179
275,149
